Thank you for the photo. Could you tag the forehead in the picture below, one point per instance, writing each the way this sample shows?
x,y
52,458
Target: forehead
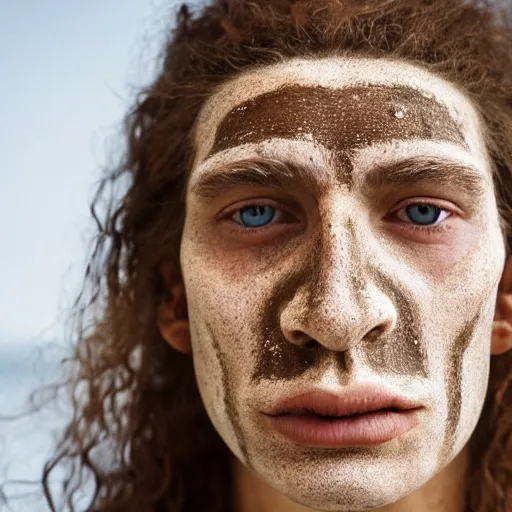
x,y
340,104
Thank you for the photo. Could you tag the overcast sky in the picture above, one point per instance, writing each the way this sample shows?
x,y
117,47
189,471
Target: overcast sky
x,y
68,71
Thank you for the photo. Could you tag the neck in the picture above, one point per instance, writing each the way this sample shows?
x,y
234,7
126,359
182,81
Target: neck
x,y
445,492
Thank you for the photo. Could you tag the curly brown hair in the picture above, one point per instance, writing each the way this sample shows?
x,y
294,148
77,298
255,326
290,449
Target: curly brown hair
x,y
133,395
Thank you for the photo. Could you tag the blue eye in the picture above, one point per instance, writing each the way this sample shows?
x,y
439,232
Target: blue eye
x,y
256,216
423,214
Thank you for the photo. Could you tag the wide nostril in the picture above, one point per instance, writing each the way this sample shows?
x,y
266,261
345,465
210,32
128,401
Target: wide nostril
x,y
375,333
301,339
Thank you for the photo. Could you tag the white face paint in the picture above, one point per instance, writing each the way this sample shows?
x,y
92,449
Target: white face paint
x,y
342,257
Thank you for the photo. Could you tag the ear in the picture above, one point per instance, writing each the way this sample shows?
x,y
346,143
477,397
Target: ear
x,y
172,311
501,339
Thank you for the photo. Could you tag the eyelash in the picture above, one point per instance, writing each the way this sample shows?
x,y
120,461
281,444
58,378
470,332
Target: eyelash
x,y
439,227
427,229
257,230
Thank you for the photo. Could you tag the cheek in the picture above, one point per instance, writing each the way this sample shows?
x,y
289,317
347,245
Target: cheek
x,y
466,386
475,374
224,310
217,383
224,313
465,368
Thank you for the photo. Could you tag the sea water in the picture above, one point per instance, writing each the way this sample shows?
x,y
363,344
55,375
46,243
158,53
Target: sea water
x,y
28,436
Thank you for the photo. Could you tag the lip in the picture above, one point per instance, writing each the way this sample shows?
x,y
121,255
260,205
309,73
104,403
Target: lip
x,y
361,416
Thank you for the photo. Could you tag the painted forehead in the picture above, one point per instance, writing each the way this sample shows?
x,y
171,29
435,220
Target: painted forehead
x,y
340,119
343,104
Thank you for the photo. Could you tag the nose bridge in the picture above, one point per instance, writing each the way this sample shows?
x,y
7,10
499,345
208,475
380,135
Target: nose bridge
x,y
343,268
339,279
341,302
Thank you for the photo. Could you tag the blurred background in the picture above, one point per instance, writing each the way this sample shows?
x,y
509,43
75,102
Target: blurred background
x,y
69,71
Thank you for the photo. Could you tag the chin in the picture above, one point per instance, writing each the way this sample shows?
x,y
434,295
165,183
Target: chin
x,y
351,480
328,496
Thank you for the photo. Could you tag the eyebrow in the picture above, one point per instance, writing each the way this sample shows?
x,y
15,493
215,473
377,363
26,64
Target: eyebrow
x,y
272,173
262,172
423,169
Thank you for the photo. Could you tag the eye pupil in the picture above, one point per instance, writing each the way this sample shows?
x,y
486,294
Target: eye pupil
x,y
423,213
257,215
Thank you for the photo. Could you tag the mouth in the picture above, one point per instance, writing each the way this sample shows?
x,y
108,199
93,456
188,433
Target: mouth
x,y
362,416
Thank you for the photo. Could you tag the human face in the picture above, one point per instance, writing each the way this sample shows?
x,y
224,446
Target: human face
x,y
371,262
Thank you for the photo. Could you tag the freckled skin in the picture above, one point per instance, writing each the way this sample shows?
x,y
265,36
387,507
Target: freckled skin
x,y
349,298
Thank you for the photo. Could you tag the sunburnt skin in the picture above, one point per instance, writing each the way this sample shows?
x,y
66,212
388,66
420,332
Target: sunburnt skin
x,y
342,300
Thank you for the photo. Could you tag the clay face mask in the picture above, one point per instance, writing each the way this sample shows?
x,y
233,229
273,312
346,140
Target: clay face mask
x,y
341,241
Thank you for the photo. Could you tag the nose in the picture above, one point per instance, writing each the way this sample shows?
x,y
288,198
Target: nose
x,y
340,305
